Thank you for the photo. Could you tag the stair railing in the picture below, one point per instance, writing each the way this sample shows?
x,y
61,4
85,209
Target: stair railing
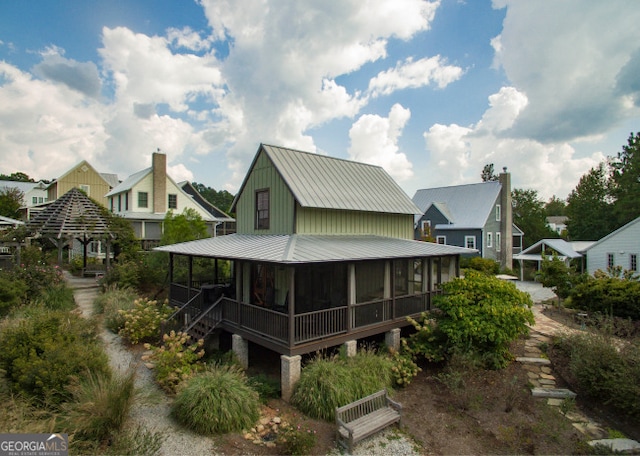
x,y
213,312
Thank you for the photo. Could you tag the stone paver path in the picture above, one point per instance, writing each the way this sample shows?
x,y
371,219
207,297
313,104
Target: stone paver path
x,y
541,376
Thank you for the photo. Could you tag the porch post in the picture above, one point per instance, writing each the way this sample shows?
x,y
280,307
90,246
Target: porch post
x,y
170,268
351,298
215,269
292,308
240,347
189,277
389,292
289,374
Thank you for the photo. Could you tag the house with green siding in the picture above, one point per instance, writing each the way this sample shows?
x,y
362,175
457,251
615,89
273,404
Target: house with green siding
x,y
323,255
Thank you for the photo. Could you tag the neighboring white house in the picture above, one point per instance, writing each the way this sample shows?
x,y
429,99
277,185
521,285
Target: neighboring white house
x,y
557,223
619,248
33,193
144,198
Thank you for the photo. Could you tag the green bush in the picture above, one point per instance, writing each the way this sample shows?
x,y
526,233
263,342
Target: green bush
x,y
43,351
100,405
297,440
111,302
605,372
59,297
38,276
329,382
125,274
404,367
175,361
217,401
12,293
477,314
266,387
143,321
619,297
555,274
485,265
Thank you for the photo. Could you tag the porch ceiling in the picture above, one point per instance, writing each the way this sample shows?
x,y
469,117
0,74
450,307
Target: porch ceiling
x,y
295,249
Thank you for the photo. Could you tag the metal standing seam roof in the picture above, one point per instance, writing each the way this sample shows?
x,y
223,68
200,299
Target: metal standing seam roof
x,y
320,181
469,205
129,182
564,249
296,249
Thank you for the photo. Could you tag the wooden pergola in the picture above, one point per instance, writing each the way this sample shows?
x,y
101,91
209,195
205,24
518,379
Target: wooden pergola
x,y
72,216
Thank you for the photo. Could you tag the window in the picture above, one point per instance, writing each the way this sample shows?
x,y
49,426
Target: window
x,y
262,209
489,240
498,213
143,199
498,241
470,242
173,201
441,239
34,200
85,188
633,262
610,260
426,227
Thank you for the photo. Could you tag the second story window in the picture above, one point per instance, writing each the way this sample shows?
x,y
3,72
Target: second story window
x,y
262,209
498,214
610,260
85,188
143,199
470,242
633,262
173,201
489,239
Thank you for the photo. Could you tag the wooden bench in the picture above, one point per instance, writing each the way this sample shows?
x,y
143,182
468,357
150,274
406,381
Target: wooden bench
x,y
94,270
360,419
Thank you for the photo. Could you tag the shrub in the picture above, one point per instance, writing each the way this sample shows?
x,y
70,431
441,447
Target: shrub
x,y
175,361
13,292
43,351
555,274
111,302
404,367
602,371
297,440
266,387
38,276
480,314
485,265
143,321
58,297
329,382
216,401
100,405
125,274
612,296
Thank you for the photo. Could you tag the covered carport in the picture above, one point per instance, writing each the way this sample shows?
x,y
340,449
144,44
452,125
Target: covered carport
x,y
565,251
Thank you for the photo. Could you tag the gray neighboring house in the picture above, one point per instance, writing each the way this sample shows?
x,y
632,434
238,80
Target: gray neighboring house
x,y
476,216
619,248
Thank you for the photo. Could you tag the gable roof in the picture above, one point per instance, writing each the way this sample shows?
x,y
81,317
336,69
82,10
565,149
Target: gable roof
x,y
296,248
323,182
190,190
564,249
469,206
24,187
129,182
82,163
614,233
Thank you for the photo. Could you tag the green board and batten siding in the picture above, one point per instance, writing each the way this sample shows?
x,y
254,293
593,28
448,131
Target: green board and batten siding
x,y
328,221
288,216
281,203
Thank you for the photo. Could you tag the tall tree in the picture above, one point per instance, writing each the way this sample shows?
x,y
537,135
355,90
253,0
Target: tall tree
x,y
187,226
625,181
221,199
589,206
555,206
10,202
529,216
488,174
16,177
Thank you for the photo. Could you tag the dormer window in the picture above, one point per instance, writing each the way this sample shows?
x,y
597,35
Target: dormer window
x,y
262,209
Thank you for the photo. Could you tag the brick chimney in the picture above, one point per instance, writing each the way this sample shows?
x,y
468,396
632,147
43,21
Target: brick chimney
x,y
159,170
506,224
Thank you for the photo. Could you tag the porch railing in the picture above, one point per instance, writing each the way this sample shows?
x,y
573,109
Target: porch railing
x,y
311,326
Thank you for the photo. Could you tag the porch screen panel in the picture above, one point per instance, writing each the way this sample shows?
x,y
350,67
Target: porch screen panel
x,y
320,286
369,281
153,230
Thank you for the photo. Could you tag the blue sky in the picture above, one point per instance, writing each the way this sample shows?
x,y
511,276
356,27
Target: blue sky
x,y
430,90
